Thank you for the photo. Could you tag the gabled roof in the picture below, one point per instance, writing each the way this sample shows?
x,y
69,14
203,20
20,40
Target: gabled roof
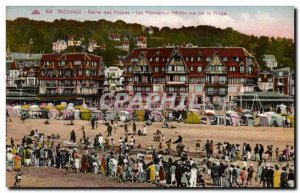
x,y
50,57
13,66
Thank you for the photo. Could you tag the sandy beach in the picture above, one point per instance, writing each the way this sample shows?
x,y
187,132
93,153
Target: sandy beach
x,y
35,177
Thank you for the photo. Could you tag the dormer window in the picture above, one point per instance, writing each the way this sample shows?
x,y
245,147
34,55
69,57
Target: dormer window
x,y
157,59
232,68
207,59
199,58
250,70
150,59
242,69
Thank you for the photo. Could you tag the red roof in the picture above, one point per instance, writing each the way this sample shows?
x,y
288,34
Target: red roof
x,y
13,66
187,52
50,57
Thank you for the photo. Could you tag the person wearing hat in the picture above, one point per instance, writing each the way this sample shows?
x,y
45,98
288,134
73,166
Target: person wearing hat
x,y
193,176
17,162
291,178
162,174
227,178
270,174
151,169
243,175
250,175
263,177
258,171
276,177
284,178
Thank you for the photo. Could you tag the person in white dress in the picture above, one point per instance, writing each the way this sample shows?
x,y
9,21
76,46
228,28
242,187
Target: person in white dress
x,y
193,176
145,130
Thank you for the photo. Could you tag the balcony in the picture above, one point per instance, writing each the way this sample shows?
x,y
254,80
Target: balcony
x,y
176,82
280,84
216,93
216,82
70,85
51,85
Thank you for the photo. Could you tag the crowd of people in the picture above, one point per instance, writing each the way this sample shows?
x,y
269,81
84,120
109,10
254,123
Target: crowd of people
x,y
224,165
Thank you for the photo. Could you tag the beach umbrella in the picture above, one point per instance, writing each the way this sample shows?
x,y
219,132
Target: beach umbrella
x,y
285,114
210,112
70,108
282,106
230,112
17,107
234,115
269,113
34,108
194,110
262,115
42,105
71,105
248,116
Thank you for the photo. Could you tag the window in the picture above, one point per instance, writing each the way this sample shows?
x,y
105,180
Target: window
x,y
180,68
156,69
62,63
232,68
198,88
157,59
182,78
150,59
222,79
88,72
207,59
250,69
191,80
199,58
130,69
225,59
192,59
242,80
187,59
199,69
77,62
237,59
192,68
242,69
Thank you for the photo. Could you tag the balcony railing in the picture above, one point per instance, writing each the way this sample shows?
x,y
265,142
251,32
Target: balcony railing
x,y
51,85
142,82
216,82
216,93
280,84
177,82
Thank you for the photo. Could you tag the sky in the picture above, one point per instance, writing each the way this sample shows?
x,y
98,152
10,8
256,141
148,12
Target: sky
x,y
277,21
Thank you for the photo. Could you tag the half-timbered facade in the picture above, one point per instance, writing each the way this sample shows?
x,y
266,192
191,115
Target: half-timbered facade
x,y
214,74
76,76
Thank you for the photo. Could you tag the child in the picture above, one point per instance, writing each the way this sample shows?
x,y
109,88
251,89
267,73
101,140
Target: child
x,y
18,178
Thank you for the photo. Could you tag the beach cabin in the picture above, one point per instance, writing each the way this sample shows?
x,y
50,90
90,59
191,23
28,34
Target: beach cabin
x,y
124,116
